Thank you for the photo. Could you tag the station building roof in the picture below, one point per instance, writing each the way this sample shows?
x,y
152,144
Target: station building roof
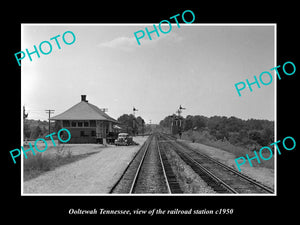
x,y
83,111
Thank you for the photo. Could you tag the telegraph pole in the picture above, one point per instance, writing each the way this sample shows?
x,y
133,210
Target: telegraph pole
x,y
49,111
24,114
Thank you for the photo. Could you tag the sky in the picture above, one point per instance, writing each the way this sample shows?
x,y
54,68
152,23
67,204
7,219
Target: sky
x,y
195,66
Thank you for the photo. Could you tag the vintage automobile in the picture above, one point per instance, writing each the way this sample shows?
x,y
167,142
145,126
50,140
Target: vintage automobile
x,y
124,139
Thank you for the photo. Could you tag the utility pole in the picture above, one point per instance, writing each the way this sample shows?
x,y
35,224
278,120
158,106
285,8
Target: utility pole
x,y
49,111
24,114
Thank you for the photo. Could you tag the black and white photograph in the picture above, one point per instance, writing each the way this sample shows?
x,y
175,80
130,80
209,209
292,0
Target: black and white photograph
x,y
147,109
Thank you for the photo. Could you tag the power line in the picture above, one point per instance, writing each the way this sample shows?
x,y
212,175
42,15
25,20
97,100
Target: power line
x,y
49,111
24,114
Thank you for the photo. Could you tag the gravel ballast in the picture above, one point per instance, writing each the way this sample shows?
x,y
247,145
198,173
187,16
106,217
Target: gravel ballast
x,y
263,175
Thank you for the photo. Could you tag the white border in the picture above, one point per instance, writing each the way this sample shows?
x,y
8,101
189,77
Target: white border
x,y
147,24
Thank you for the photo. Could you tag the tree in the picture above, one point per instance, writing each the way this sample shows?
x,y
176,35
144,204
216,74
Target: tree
x,y
36,132
234,124
188,123
240,132
141,125
27,130
268,134
166,122
130,124
126,123
254,124
199,122
214,122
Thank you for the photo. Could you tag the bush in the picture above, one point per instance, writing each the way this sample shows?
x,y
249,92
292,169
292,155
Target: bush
x,y
244,133
38,162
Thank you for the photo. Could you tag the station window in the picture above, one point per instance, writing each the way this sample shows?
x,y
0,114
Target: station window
x,y
82,133
92,123
73,124
93,133
66,123
85,123
79,124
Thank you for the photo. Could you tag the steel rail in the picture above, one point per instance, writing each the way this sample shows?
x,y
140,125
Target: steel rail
x,y
127,167
233,171
139,167
250,180
163,168
210,174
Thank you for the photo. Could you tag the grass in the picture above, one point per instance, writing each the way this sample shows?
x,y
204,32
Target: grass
x,y
238,151
35,165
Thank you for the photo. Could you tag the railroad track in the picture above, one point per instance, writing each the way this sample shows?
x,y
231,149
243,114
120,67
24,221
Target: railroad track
x,y
149,172
222,178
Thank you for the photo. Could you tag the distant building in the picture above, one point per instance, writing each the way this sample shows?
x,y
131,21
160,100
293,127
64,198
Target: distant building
x,y
86,122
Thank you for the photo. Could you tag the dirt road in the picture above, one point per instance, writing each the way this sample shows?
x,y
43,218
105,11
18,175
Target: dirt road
x,y
95,174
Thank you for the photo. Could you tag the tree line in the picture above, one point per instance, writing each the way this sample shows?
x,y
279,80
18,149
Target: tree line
x,y
237,131
34,129
133,125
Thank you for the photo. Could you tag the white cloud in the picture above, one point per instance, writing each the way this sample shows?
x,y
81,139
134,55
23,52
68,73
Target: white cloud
x,y
123,43
129,43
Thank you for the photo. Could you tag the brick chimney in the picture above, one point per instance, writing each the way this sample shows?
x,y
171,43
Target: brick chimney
x,y
83,98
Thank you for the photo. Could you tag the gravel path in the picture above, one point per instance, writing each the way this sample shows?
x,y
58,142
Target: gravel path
x,y
95,174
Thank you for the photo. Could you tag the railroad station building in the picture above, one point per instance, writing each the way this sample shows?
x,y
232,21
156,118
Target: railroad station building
x,y
86,122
